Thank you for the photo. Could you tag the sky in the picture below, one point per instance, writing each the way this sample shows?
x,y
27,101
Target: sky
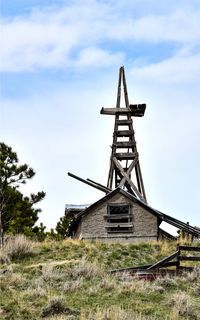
x,y
59,65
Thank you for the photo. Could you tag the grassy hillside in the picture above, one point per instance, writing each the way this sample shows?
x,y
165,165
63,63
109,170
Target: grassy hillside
x,y
70,280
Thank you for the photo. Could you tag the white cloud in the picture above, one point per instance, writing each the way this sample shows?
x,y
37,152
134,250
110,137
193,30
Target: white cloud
x,y
97,57
181,68
75,35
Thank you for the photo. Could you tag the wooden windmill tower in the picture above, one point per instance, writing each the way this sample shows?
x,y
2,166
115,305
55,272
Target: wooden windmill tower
x,y
124,158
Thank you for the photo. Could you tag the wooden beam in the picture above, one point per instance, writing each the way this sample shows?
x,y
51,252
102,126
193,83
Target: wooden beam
x,y
124,133
125,155
124,174
189,248
98,184
123,122
124,144
120,225
133,163
162,262
104,189
135,110
184,258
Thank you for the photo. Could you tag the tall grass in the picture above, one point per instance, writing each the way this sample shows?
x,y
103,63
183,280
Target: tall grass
x,y
18,247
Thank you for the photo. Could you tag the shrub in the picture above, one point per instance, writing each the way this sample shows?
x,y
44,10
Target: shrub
x,y
73,286
18,247
56,307
182,305
114,313
4,258
85,269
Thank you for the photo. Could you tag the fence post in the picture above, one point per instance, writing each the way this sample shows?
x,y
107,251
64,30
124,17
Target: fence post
x,y
178,258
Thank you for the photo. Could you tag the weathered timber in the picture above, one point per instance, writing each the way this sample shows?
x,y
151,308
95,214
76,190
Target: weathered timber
x,y
180,225
129,181
128,170
138,109
115,111
104,189
125,155
125,139
135,110
124,122
162,262
118,216
124,144
124,133
184,258
188,248
121,224
98,184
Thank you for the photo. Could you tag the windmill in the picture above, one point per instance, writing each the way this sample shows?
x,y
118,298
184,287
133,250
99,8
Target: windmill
x,y
124,160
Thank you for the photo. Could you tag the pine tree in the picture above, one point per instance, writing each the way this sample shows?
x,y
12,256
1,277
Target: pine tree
x,y
16,211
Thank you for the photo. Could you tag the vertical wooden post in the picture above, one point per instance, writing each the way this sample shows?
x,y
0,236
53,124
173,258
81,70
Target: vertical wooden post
x,y
178,258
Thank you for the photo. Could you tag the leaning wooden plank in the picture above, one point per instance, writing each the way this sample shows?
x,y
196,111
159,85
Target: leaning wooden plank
x,y
129,269
179,224
98,184
162,262
104,189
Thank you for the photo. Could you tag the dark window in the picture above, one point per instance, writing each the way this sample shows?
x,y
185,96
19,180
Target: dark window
x,y
119,218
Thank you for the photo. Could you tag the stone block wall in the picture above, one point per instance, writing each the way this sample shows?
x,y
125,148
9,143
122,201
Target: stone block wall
x,y
144,223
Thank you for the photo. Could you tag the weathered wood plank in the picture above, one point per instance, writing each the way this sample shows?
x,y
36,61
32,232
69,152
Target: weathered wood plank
x,y
162,262
125,155
125,144
135,110
104,189
118,216
126,178
188,248
114,111
120,225
184,258
124,122
124,133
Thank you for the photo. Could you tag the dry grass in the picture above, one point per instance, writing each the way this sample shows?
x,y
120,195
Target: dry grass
x,y
182,305
18,247
86,269
31,285
114,313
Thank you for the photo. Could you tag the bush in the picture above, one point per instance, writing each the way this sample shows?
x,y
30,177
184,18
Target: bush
x,y
4,259
18,247
182,305
56,307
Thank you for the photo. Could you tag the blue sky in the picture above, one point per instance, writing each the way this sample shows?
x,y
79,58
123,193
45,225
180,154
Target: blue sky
x,y
59,65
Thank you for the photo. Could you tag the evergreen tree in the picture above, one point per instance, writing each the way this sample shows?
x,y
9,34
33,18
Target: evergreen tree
x,y
62,227
17,214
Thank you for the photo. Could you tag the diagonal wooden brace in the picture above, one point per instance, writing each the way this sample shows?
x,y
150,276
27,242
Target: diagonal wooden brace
x,y
127,179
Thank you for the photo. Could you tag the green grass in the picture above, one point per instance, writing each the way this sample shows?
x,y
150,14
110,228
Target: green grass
x,y
75,275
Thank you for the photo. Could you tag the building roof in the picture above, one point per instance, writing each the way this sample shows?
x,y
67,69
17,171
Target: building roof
x,y
76,206
160,215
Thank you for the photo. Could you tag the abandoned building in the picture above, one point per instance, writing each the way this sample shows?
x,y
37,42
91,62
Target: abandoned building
x,y
122,214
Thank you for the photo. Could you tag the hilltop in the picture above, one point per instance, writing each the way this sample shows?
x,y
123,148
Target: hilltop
x,y
70,280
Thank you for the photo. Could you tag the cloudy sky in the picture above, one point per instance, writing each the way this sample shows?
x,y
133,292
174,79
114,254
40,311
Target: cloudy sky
x,y
59,65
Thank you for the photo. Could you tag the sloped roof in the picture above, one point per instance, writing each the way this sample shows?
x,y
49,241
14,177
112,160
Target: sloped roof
x,y
161,216
76,206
